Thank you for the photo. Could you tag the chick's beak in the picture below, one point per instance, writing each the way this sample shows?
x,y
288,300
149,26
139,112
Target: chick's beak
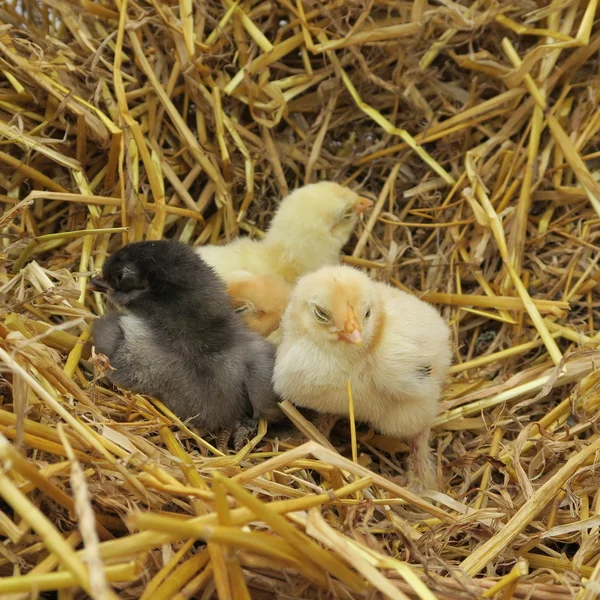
x,y
352,332
363,204
96,284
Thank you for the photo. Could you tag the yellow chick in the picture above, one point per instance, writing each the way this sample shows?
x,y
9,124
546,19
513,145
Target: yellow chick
x,y
393,348
260,299
307,232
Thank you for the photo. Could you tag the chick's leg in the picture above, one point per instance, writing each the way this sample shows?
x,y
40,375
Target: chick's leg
x,y
421,472
223,439
325,423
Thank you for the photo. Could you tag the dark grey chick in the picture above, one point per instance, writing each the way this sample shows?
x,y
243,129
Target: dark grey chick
x,y
175,337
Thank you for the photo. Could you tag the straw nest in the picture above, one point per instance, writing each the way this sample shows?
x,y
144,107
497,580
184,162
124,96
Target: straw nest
x,y
473,124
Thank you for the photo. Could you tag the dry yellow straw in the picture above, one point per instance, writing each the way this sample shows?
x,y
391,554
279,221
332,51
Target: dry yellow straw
x,y
63,235
496,544
303,425
519,570
352,422
310,550
318,528
42,525
45,582
148,540
234,571
194,124
331,458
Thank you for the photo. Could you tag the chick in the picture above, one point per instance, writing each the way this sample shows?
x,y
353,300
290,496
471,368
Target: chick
x,y
260,299
175,337
308,231
393,348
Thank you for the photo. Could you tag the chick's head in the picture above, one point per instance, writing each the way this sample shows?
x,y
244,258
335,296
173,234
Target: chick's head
x,y
335,305
260,299
327,210
159,269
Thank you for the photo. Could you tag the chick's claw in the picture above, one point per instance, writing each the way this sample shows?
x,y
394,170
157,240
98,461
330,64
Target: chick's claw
x,y
243,432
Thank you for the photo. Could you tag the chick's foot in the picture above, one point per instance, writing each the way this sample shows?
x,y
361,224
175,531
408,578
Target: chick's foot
x,y
243,432
325,424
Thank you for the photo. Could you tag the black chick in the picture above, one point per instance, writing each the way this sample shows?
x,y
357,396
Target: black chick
x,y
176,338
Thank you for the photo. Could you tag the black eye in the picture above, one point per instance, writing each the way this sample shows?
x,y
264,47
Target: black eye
x,y
321,314
368,313
241,306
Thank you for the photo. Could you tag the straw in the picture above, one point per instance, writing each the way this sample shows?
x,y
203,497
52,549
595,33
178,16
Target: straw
x,y
488,551
472,125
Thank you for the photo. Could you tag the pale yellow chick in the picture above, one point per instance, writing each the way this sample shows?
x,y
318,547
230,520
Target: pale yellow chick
x,y
308,231
260,299
393,348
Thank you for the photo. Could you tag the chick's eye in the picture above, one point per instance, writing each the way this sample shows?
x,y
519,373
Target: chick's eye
x,y
368,313
348,215
321,314
241,309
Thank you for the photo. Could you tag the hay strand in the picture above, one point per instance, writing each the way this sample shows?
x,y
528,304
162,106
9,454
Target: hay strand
x,y
473,125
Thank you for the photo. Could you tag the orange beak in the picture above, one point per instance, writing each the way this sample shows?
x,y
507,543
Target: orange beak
x,y
352,331
363,204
